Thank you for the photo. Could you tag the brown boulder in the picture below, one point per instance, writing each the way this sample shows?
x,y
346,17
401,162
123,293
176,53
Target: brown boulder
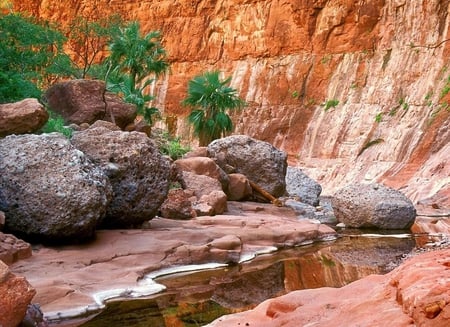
x,y
239,187
203,166
13,249
178,204
211,200
16,294
26,116
85,101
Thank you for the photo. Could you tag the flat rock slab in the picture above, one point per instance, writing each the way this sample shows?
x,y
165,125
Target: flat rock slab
x,y
71,280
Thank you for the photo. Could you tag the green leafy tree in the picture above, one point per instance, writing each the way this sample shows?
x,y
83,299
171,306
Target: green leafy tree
x,y
88,37
210,99
31,57
133,64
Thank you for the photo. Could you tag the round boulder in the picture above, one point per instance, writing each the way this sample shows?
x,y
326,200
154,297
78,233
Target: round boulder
x,y
26,116
259,161
138,173
298,184
373,206
50,191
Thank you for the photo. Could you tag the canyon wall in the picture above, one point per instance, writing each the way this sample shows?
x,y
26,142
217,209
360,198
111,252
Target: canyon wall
x,y
352,90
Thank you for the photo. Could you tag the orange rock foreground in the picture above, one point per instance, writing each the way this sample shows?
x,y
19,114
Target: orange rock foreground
x,y
417,293
78,279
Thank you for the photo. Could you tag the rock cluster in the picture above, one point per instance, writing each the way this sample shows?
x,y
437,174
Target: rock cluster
x,y
86,101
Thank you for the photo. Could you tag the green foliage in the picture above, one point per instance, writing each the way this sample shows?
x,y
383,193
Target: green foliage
x,y
327,261
133,64
88,36
172,147
428,101
402,103
31,57
55,123
369,144
332,103
210,98
446,88
379,117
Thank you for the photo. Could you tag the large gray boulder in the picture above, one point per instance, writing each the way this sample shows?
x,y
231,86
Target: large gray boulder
x,y
259,161
85,101
373,206
26,116
138,173
49,190
298,184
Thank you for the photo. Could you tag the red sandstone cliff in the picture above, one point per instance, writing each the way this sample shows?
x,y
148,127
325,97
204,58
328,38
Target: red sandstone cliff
x,y
385,61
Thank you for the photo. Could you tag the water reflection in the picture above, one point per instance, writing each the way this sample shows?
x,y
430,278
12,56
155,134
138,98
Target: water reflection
x,y
197,298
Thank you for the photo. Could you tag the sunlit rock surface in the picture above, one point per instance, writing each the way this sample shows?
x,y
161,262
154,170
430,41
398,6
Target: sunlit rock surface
x,y
384,63
415,294
71,280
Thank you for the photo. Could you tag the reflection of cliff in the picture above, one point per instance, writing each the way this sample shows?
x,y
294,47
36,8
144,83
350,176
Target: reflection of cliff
x,y
201,297
344,262
384,62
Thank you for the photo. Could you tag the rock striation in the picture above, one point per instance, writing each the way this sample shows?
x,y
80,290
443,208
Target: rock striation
x,y
382,63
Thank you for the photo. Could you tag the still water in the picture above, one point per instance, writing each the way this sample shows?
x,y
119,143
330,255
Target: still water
x,y
197,298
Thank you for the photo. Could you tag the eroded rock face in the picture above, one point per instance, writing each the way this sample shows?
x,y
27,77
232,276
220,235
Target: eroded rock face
x,y
49,190
259,161
26,116
85,101
414,294
17,294
139,175
298,184
373,205
291,57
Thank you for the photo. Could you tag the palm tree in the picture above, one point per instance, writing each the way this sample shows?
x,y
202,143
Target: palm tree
x,y
210,98
133,64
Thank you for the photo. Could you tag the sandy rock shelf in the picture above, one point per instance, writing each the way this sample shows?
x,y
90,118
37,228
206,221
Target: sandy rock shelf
x,y
71,280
